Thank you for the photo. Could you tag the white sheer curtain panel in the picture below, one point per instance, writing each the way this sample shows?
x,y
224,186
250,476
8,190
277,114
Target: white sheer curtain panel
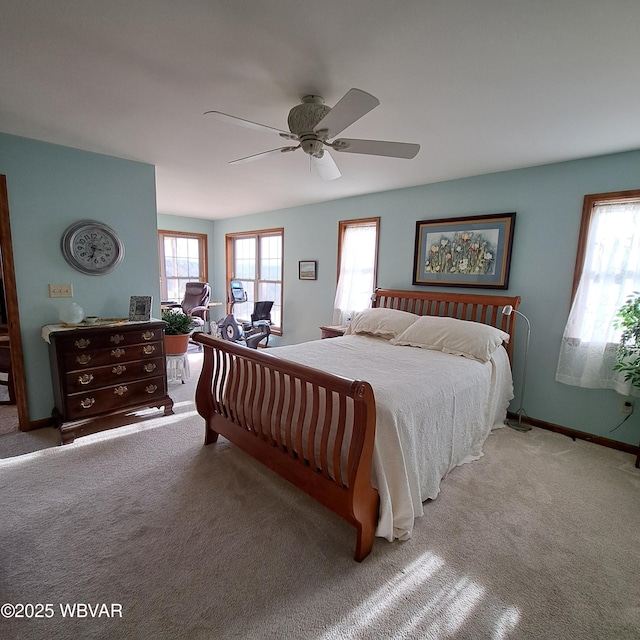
x,y
610,275
355,281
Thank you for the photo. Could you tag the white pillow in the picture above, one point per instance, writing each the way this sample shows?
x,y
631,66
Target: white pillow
x,y
459,337
385,323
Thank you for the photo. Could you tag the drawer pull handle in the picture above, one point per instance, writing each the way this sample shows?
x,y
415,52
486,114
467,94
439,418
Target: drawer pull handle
x,y
149,367
148,349
119,370
121,390
83,343
85,378
117,338
148,335
116,353
83,359
87,403
152,388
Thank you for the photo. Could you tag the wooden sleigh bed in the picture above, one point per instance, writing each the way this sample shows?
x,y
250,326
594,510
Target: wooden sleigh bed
x,y
313,428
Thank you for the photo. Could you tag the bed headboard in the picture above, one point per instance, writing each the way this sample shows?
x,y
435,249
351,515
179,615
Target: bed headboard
x,y
476,307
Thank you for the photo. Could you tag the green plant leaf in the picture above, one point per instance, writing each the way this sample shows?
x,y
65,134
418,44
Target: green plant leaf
x,y
628,350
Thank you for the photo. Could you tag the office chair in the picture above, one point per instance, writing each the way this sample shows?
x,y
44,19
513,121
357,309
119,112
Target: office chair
x,y
195,304
261,312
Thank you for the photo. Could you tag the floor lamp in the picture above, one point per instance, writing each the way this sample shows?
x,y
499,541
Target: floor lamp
x,y
507,310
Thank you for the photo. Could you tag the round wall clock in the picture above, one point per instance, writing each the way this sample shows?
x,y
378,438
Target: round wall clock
x,y
92,247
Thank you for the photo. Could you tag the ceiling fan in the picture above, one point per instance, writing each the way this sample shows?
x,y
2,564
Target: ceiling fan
x,y
312,124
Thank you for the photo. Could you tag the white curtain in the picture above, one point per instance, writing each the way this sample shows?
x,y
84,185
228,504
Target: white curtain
x,y
355,281
610,275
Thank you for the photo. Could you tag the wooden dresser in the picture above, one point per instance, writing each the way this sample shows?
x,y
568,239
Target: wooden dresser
x,y
99,372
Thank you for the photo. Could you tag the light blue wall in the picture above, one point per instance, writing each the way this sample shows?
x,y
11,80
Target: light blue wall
x,y
49,188
548,202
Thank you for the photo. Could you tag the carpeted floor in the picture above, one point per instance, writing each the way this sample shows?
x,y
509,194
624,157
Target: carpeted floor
x,y
8,418
538,539
14,442
8,413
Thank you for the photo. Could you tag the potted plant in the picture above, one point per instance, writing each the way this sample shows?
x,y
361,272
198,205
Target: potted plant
x,y
177,330
628,350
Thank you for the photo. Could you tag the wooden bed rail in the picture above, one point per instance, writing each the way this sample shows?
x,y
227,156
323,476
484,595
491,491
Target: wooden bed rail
x,y
463,306
313,428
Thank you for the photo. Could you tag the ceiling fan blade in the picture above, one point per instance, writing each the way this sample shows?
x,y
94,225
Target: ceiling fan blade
x,y
351,107
264,154
241,122
377,148
325,166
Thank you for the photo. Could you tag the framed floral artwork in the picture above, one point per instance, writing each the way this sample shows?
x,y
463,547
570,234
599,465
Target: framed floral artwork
x,y
464,252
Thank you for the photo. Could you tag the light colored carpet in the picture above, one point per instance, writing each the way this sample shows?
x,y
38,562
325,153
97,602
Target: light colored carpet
x,y
8,418
538,539
13,442
8,412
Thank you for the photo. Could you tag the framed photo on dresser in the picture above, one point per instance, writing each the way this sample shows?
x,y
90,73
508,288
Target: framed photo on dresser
x,y
140,308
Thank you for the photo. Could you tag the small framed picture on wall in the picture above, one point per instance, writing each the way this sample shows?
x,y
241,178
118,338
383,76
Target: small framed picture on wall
x,y
307,269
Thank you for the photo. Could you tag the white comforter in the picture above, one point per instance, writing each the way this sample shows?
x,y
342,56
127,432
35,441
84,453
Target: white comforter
x,y
433,413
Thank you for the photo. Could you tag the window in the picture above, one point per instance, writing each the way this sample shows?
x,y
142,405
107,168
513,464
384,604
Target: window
x,y
183,258
255,258
357,266
607,273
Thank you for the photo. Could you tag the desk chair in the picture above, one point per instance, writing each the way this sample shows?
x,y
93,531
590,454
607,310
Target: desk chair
x,y
260,321
195,304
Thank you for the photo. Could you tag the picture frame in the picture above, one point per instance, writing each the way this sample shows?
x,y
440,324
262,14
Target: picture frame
x,y
307,269
471,251
140,308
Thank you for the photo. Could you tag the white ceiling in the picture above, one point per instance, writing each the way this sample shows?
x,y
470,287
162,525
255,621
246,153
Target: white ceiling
x,y
481,85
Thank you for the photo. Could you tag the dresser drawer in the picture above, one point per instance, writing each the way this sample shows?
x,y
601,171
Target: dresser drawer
x,y
93,402
77,359
85,340
77,381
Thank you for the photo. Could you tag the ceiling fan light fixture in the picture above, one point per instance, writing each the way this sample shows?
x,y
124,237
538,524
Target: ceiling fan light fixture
x,y
311,145
305,116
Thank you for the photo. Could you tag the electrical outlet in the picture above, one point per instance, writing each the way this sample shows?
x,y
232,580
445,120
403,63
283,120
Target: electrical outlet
x,y
61,291
627,407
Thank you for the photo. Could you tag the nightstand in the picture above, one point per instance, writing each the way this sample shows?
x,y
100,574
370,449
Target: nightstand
x,y
333,331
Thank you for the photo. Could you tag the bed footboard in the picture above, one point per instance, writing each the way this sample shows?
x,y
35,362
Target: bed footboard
x,y
312,428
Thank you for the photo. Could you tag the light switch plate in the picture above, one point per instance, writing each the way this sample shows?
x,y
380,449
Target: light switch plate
x,y
61,291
